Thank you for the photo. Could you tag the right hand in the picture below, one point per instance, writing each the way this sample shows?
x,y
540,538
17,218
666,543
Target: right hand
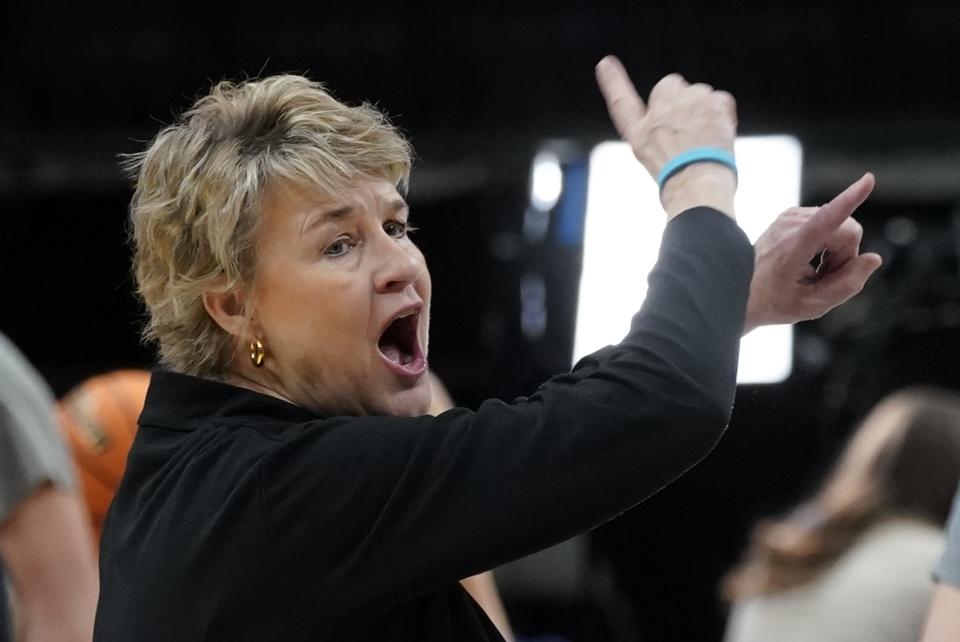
x,y
785,287
680,116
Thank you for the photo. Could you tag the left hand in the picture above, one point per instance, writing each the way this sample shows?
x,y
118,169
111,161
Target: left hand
x,y
785,287
678,117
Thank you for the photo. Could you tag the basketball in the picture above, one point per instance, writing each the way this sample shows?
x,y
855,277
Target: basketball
x,y
99,419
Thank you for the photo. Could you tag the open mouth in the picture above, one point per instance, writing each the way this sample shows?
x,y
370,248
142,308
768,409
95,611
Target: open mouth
x,y
400,347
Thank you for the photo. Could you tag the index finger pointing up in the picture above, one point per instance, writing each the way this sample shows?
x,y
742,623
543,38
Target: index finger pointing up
x,y
816,231
623,102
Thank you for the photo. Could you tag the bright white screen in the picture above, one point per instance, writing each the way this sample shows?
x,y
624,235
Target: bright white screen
x,y
624,223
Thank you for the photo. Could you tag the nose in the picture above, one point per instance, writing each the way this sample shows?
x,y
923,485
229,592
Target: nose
x,y
399,265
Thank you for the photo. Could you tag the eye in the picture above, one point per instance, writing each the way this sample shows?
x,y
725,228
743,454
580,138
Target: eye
x,y
397,229
338,248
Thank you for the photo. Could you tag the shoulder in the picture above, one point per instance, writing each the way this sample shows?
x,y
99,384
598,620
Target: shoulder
x,y
904,543
889,568
24,396
892,560
948,568
339,440
31,449
879,588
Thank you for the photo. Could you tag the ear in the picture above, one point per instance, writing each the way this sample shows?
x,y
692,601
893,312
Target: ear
x,y
229,310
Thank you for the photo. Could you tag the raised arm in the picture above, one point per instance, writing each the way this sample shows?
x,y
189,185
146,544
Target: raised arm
x,y
943,620
467,491
679,117
785,288
46,549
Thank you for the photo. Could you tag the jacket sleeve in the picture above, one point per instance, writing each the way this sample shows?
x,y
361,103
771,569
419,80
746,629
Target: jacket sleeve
x,y
948,568
384,508
32,450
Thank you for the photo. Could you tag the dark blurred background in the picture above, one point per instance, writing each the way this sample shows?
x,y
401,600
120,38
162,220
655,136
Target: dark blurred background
x,y
478,87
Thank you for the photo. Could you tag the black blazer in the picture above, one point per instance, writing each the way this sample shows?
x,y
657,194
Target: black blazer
x,y
242,517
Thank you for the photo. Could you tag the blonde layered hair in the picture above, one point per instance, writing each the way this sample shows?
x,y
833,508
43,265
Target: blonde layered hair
x,y
903,462
200,183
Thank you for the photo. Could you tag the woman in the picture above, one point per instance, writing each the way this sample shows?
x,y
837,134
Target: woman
x,y
284,483
853,563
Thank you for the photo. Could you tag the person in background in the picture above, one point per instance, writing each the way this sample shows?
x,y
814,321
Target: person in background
x,y
943,620
44,532
853,562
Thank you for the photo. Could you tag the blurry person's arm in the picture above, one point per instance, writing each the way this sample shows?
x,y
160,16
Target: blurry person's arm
x,y
45,545
482,587
45,549
943,620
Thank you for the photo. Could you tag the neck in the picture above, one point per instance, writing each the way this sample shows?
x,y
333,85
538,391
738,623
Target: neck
x,y
243,381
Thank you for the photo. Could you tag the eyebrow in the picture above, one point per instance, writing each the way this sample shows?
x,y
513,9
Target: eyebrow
x,y
339,213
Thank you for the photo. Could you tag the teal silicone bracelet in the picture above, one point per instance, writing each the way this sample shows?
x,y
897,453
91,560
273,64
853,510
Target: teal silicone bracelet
x,y
695,155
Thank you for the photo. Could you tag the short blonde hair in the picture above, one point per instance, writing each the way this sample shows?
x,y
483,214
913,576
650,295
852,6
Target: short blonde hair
x,y
200,183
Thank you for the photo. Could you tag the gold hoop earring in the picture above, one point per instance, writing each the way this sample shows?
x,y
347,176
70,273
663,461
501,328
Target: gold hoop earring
x,y
257,353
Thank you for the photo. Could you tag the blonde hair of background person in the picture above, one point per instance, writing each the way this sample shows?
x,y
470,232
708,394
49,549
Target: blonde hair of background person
x,y
44,533
481,587
892,486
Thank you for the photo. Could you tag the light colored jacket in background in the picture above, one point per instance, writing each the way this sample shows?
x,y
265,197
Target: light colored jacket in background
x,y
879,590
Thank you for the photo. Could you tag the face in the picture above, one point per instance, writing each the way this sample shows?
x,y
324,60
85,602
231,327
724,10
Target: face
x,y
342,301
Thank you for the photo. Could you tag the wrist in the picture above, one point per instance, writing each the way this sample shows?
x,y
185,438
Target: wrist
x,y
702,184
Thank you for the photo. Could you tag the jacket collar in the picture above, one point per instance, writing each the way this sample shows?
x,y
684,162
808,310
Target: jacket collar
x,y
184,402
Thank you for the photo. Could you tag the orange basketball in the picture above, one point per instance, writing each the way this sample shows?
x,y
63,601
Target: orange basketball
x,y
99,419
